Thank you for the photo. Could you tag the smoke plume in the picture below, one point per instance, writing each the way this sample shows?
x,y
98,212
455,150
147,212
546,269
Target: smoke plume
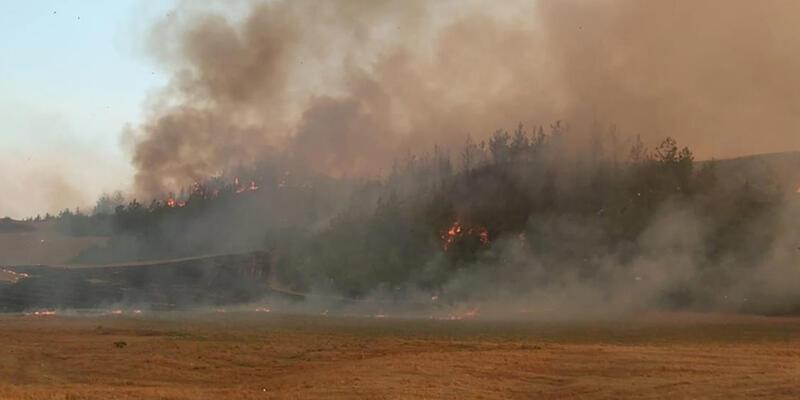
x,y
344,87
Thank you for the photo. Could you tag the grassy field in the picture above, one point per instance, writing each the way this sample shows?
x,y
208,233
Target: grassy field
x,y
263,356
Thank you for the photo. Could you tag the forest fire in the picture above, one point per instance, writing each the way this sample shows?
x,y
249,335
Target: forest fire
x,y
450,236
457,230
172,203
42,313
202,191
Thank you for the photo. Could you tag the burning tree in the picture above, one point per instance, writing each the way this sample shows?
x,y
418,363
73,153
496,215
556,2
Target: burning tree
x,y
425,221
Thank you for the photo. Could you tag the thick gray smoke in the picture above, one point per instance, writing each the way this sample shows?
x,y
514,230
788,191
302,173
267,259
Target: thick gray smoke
x,y
670,261
344,87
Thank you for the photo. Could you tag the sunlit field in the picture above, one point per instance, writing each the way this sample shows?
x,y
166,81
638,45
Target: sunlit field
x,y
267,355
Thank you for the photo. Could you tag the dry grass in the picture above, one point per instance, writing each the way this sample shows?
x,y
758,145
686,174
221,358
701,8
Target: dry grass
x,y
257,356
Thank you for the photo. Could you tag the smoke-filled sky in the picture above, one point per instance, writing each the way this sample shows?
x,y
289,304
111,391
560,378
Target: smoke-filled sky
x,y
342,87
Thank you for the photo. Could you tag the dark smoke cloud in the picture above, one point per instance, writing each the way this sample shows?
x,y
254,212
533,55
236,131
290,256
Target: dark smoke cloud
x,y
345,87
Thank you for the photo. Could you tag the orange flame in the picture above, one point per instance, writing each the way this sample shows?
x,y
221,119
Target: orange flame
x,y
172,203
450,236
456,230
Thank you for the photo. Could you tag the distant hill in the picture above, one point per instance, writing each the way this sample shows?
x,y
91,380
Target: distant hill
x,y
779,169
28,243
8,225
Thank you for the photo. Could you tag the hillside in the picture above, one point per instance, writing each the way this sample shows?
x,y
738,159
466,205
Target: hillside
x,y
28,243
782,169
688,235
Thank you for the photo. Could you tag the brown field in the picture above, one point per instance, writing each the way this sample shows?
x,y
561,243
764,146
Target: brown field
x,y
264,356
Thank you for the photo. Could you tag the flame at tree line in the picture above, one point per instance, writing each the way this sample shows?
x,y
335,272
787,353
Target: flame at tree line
x,y
437,215
456,231
448,237
200,190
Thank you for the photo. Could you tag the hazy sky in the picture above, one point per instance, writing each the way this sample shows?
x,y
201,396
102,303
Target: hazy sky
x,y
73,74
354,83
